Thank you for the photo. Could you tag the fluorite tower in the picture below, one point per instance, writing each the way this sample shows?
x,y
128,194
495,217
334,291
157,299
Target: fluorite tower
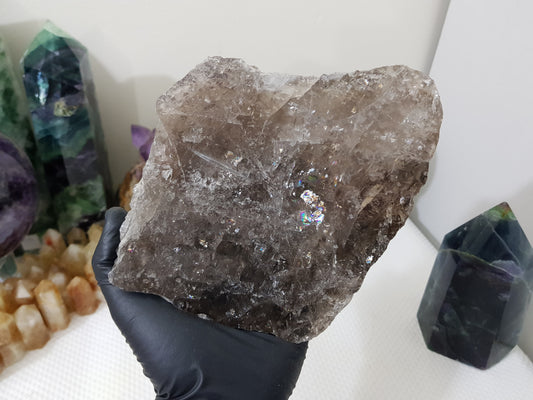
x,y
14,117
66,124
18,196
15,124
478,291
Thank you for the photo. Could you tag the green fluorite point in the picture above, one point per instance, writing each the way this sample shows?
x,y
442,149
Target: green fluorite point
x,y
60,91
52,38
78,201
500,212
14,121
479,289
55,30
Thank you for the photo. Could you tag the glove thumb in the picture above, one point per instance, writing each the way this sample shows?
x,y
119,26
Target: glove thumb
x,y
106,251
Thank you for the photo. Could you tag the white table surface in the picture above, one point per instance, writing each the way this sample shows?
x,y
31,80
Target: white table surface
x,y
373,350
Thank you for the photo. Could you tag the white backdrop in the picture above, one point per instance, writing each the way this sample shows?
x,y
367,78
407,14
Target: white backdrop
x,y
139,48
483,69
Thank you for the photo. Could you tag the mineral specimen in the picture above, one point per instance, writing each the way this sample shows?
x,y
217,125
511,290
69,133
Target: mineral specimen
x,y
8,329
12,352
89,273
142,138
82,295
125,192
7,302
14,116
46,290
94,233
5,299
18,196
77,236
266,198
54,239
36,273
66,125
23,293
58,278
478,291
31,326
15,124
51,305
73,259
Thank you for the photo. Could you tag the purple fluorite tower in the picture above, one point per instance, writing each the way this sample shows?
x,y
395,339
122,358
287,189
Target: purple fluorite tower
x,y
18,195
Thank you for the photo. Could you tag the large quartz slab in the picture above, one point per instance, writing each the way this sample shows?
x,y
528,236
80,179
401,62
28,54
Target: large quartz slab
x,y
266,198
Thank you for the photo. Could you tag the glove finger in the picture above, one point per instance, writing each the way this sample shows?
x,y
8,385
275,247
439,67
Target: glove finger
x,y
106,251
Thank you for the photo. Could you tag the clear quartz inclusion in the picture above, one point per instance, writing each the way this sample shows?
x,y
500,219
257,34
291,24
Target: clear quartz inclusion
x,y
267,197
478,292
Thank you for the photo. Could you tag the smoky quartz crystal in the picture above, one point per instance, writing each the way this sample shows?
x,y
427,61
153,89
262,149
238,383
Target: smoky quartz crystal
x,y
266,197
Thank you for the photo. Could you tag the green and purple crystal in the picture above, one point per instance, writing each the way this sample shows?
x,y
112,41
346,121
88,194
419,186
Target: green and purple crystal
x,y
15,124
479,289
66,124
18,196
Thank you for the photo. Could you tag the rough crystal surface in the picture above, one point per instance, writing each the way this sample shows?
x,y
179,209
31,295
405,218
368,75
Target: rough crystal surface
x,y
266,198
477,295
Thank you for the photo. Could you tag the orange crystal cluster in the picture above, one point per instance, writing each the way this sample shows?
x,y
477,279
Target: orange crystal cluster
x,y
57,281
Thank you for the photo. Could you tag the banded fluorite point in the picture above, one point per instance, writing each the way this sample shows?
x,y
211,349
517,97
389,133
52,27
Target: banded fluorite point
x,y
479,289
70,143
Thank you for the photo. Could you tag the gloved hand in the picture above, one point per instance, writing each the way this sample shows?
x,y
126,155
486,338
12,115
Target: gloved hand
x,y
186,357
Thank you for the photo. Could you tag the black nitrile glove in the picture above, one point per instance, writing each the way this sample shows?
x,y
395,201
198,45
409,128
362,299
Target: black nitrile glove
x,y
186,357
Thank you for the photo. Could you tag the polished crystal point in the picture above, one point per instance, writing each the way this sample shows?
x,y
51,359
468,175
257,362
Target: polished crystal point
x,y
14,115
51,305
31,326
15,124
12,352
266,197
18,195
477,295
8,329
60,92
82,295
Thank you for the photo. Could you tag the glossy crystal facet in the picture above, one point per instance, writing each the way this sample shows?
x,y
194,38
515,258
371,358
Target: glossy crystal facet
x,y
66,124
15,124
18,195
477,295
